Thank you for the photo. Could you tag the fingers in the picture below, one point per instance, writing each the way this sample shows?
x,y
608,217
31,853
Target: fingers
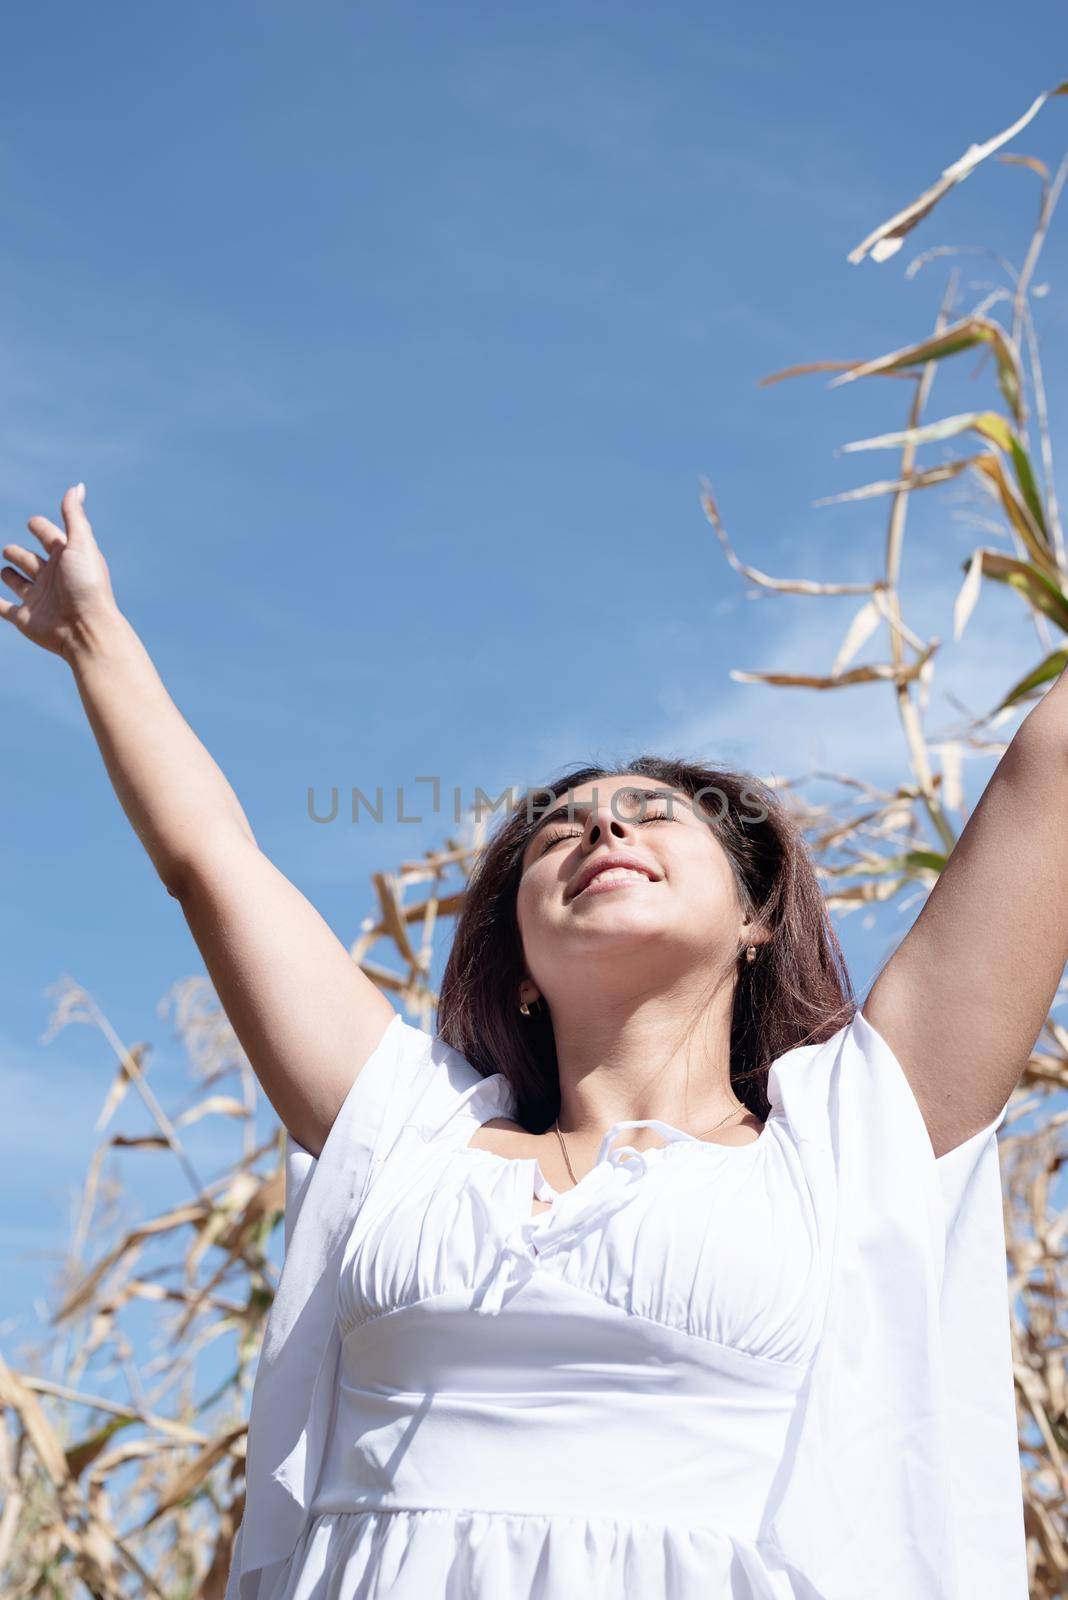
x,y
31,564
16,581
77,523
51,537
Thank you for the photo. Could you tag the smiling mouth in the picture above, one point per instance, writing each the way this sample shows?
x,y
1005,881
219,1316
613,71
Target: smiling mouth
x,y
611,878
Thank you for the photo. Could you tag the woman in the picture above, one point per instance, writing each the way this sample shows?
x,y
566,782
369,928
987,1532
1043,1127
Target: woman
x,y
757,1348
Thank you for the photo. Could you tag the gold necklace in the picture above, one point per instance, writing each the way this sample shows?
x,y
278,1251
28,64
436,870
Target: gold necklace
x,y
715,1125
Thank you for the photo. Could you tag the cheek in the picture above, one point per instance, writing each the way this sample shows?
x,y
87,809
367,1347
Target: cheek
x,y
520,903
535,899
702,878
526,902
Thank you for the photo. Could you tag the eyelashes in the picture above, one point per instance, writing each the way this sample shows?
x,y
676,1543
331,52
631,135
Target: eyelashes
x,y
575,833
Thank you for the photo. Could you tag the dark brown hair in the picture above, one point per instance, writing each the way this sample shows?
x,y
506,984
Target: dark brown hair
x,y
797,991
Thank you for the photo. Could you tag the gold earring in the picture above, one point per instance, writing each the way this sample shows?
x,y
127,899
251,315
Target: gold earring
x,y
524,1008
750,952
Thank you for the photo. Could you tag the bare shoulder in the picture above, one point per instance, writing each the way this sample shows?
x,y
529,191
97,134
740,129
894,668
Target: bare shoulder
x,y
505,1138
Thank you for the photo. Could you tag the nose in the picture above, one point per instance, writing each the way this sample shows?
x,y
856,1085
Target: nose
x,y
603,824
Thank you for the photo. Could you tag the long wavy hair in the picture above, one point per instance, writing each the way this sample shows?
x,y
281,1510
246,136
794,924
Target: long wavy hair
x,y
797,990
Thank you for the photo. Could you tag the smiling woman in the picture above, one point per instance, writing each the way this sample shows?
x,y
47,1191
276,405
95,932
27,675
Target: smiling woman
x,y
760,1350
713,1360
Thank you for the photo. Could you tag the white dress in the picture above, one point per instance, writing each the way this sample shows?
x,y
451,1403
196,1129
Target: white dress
x,y
777,1371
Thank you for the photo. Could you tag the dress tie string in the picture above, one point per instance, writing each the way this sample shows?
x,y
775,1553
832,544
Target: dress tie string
x,y
575,1212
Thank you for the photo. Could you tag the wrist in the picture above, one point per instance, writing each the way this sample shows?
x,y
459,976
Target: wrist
x,y
95,635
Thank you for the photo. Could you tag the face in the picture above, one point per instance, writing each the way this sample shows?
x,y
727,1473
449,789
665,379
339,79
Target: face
x,y
679,908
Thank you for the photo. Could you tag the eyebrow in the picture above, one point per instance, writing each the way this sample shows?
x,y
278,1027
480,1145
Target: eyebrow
x,y
572,810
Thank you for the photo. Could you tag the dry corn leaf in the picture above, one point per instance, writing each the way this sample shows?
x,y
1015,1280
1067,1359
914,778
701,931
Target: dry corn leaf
x,y
189,1479
860,630
964,604
50,1453
780,585
915,480
887,238
138,1054
884,671
964,335
989,425
216,1105
1033,162
195,1214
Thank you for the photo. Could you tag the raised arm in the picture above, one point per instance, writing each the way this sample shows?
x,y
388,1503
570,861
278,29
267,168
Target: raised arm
x,y
306,1016
963,998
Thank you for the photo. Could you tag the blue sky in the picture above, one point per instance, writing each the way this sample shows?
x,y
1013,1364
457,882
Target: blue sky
x,y
391,343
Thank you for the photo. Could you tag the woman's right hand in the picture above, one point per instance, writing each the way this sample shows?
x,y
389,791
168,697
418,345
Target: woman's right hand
x,y
64,591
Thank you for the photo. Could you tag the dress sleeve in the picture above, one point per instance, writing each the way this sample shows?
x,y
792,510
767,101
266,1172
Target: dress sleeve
x,y
957,1168
903,1473
411,1077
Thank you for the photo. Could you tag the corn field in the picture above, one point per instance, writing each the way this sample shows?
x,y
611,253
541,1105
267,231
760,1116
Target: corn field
x,y
122,1469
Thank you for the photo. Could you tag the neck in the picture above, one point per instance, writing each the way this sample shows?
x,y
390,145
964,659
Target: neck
x,y
662,1054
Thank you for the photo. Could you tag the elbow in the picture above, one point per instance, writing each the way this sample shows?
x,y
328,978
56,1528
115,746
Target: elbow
x,y
176,882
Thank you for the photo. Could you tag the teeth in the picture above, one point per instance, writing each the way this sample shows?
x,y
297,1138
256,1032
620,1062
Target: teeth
x,y
615,874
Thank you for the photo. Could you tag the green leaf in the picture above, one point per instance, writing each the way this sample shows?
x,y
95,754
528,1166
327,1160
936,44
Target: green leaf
x,y
929,860
1033,537
911,862
1045,672
1025,477
1029,581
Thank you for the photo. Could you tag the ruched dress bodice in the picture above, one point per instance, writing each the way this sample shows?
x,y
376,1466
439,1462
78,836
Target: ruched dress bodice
x,y
545,1404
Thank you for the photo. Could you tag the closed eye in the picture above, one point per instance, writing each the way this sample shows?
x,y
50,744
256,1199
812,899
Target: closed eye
x,y
576,833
